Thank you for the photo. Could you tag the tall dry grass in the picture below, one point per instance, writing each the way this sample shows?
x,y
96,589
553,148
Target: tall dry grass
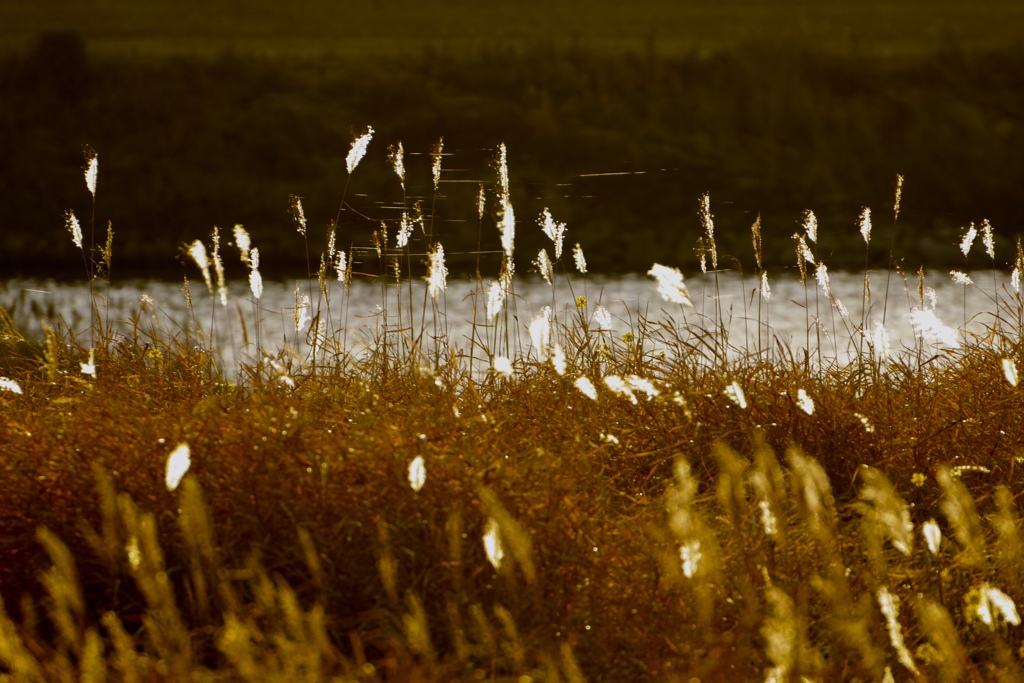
x,y
547,502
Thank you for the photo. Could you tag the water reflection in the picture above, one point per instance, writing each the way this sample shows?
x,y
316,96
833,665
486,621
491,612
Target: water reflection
x,y
797,316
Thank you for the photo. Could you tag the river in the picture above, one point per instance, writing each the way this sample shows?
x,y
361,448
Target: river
x,y
403,316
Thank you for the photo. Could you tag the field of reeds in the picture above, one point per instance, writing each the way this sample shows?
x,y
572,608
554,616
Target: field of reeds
x,y
541,501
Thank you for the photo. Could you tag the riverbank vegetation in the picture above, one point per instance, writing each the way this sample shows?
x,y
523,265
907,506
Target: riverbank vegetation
x,y
543,501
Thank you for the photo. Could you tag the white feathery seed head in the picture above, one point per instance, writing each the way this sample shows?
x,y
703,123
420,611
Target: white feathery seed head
x,y
404,231
544,266
302,317
690,556
396,156
340,265
804,256
805,251
502,366
602,319
988,239
821,275
558,360
961,278
988,605
437,276
74,228
507,272
197,250
841,307
283,378
766,291
1010,371
358,149
932,536
579,259
89,368
968,239
417,473
880,341
805,402
618,386
493,546
502,170
865,224
507,226
507,223
242,242
586,387
435,161
890,606
810,225
10,385
1018,266
1003,604
930,330
331,248
554,230
540,332
768,520
495,300
670,284
178,463
91,170
643,386
255,279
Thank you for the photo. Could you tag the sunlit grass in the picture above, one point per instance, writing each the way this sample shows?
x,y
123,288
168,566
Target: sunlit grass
x,y
546,501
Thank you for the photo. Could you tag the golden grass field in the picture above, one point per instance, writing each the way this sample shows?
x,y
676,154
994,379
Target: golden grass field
x,y
545,502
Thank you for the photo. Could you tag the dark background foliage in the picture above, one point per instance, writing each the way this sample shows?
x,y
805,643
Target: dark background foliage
x,y
204,116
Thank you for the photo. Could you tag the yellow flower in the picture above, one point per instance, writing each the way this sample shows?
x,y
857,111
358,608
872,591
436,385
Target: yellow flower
x,y
581,302
628,337
918,479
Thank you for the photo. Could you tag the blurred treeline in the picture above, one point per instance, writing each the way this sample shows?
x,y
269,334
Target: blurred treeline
x,y
189,142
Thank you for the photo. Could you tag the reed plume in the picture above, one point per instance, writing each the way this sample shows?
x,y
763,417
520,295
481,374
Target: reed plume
x,y
437,275
358,149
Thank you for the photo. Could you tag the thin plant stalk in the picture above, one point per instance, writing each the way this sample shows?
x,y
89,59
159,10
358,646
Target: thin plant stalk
x,y
892,242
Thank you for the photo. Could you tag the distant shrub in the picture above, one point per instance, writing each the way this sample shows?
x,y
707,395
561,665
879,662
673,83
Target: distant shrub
x,y
58,65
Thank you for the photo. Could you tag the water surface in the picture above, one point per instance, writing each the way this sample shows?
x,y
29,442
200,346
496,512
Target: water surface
x,y
796,317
